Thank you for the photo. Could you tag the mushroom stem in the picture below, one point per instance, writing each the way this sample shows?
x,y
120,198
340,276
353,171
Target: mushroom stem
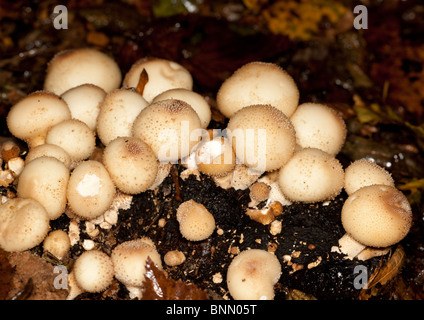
x,y
349,246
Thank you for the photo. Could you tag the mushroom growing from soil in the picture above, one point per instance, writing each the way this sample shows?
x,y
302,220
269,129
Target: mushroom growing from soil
x,y
195,100
319,126
93,271
117,113
311,175
258,83
45,179
196,222
374,216
131,163
170,127
49,150
252,275
162,75
262,137
73,136
90,190
362,173
129,262
57,243
84,103
71,68
24,223
31,118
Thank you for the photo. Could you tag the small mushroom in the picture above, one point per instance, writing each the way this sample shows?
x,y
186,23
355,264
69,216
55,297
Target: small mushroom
x,y
90,190
319,126
196,222
362,173
262,137
258,83
117,113
32,117
131,163
129,263
57,243
45,179
375,216
24,223
48,150
311,175
162,75
84,103
252,275
170,127
71,68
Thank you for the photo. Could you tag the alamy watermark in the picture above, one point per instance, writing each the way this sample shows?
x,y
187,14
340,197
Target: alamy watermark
x,y
361,20
60,17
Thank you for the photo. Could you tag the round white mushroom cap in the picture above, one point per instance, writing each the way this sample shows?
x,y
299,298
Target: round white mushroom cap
x,y
362,173
252,275
131,164
31,118
24,223
90,190
45,179
262,137
57,243
311,175
196,222
162,75
84,102
93,271
258,83
49,150
377,215
319,126
117,113
71,68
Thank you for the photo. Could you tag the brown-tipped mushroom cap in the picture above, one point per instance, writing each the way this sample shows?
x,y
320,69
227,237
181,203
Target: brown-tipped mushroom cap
x,y
377,216
258,83
252,275
34,115
117,113
170,128
24,223
84,102
262,137
90,190
311,175
196,222
162,75
362,173
131,164
319,126
71,68
45,179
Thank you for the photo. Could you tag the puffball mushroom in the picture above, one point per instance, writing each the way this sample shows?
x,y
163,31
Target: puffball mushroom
x,y
48,150
129,261
170,127
262,137
311,175
71,68
131,164
252,275
57,243
93,271
117,113
84,103
73,136
319,126
24,223
162,75
45,179
375,216
31,118
215,157
362,173
195,100
258,83
196,222
90,190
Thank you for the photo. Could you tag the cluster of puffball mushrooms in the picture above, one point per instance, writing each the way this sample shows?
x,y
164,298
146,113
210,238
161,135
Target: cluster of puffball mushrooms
x,y
150,119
